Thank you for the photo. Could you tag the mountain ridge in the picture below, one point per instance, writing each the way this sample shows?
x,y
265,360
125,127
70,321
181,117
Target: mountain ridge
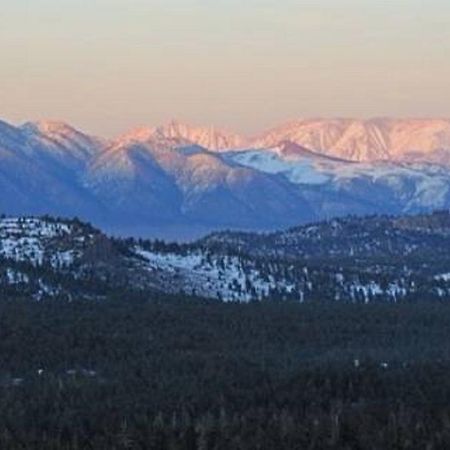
x,y
158,177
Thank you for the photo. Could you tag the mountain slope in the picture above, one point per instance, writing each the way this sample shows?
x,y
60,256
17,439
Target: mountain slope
x,y
337,187
40,176
160,181
159,178
62,140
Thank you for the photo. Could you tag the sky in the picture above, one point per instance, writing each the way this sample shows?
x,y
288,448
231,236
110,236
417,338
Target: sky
x,y
108,65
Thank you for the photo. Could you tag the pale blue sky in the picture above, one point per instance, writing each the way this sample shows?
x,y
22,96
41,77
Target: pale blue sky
x,y
106,65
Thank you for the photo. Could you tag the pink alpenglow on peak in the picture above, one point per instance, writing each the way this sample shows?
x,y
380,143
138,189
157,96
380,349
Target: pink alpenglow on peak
x,y
203,178
363,140
348,139
210,138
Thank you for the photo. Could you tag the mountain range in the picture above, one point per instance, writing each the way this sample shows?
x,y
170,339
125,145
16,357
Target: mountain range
x,y
182,181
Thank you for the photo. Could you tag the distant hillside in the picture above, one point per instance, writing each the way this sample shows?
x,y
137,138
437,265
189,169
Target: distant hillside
x,y
351,259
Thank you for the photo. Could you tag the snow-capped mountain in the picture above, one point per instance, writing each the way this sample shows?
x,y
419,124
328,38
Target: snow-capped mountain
x,y
427,140
39,173
210,138
333,184
201,179
157,180
61,136
364,140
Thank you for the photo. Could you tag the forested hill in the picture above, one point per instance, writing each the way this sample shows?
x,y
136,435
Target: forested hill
x,y
352,259
352,236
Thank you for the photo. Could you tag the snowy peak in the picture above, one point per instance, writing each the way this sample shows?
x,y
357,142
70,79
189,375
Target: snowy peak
x,y
62,138
420,136
317,134
206,137
49,127
140,134
343,138
200,178
426,140
363,140
152,138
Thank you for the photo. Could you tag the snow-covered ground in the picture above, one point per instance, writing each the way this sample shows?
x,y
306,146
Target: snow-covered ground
x,y
65,248
416,185
443,277
25,240
223,278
